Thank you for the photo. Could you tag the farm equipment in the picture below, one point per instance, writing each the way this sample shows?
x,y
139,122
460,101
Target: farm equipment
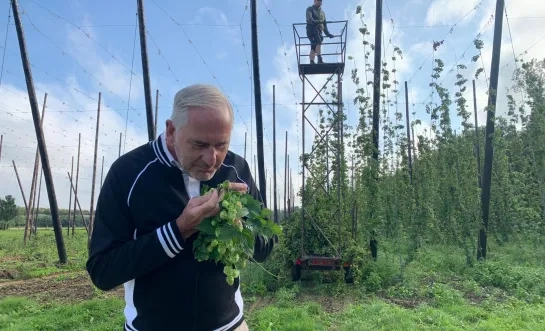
x,y
332,70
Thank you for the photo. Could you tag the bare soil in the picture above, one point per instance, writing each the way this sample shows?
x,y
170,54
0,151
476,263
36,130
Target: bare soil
x,y
66,287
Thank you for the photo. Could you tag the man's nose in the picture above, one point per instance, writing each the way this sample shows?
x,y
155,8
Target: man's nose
x,y
210,156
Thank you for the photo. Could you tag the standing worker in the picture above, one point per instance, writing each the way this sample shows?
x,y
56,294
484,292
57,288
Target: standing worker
x,y
146,218
316,24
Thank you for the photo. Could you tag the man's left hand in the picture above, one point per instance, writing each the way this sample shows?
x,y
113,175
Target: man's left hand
x,y
239,187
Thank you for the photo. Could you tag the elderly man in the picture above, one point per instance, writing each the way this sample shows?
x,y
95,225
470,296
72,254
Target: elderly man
x,y
146,216
316,23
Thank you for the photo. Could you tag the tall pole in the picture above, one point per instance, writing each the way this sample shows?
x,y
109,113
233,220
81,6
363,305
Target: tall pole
x,y
61,250
491,109
258,114
286,176
1,141
102,173
373,243
32,195
477,143
20,185
91,210
70,200
274,156
120,139
408,134
156,112
77,182
145,70
35,219
289,186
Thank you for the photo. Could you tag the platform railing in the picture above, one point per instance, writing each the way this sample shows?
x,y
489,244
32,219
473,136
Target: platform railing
x,y
332,26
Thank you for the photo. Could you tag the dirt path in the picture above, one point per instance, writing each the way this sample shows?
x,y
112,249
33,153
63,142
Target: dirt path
x,y
63,287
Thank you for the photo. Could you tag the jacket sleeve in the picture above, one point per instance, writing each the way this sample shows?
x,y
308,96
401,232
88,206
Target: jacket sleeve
x,y
263,247
309,16
115,255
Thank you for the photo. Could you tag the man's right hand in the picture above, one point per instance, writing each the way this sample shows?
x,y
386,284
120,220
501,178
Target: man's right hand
x,y
197,210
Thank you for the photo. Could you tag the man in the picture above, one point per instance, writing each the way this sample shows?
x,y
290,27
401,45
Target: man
x,y
146,215
316,23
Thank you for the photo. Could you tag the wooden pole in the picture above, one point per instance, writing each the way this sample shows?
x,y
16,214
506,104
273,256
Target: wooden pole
x,y
477,143
490,118
289,185
274,156
257,98
408,133
35,219
120,139
373,242
93,182
70,200
77,182
76,200
286,176
20,185
61,250
156,112
102,173
32,196
145,70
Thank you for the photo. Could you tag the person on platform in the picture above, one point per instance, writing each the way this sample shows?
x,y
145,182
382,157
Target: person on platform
x,y
146,216
316,24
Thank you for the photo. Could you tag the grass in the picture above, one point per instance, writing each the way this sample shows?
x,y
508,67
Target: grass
x,y
436,291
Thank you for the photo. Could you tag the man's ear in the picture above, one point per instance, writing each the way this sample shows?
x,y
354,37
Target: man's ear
x,y
169,132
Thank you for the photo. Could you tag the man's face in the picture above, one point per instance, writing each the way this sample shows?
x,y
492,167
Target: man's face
x,y
201,144
317,3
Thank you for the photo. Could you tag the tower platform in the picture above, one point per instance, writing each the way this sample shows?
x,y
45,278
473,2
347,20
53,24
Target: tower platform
x,y
333,50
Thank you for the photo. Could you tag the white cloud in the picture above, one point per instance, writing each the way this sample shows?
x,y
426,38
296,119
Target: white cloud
x,y
63,121
448,11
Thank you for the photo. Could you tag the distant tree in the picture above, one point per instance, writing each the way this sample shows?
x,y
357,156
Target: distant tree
x,y
8,209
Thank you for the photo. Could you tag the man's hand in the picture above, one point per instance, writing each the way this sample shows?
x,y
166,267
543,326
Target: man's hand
x,y
196,210
330,36
202,207
239,187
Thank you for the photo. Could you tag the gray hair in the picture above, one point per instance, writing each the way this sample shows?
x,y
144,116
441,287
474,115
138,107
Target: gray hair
x,y
198,95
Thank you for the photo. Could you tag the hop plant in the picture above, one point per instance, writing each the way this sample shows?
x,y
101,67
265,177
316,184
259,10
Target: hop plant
x,y
228,238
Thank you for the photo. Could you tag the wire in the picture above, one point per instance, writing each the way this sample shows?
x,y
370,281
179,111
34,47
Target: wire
x,y
5,43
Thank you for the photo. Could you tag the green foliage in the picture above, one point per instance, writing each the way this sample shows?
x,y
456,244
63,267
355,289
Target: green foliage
x,y
8,208
228,238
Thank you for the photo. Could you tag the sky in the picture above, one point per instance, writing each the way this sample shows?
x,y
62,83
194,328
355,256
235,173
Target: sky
x,y
81,48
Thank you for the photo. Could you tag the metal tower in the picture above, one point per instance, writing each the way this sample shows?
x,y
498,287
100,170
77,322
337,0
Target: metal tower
x,y
333,68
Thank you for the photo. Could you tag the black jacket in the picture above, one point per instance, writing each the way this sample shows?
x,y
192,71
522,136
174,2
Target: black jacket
x,y
136,242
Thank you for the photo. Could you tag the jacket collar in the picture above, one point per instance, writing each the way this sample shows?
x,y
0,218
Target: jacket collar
x,y
162,153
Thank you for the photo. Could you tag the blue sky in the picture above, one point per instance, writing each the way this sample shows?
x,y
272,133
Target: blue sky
x,y
80,48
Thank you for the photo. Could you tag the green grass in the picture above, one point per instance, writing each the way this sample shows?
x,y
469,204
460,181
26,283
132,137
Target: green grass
x,y
39,257
436,291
